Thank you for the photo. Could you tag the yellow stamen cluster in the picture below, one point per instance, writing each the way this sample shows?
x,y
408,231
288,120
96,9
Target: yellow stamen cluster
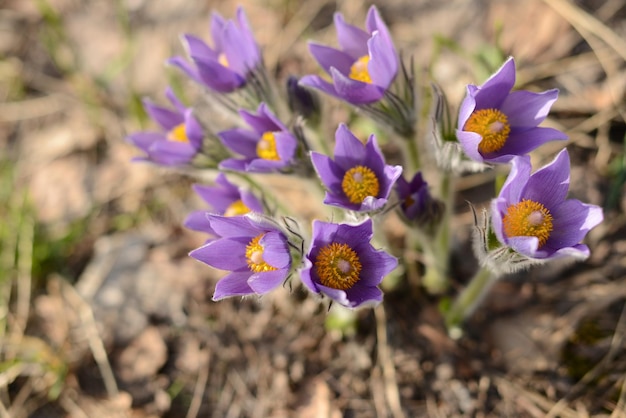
x,y
221,58
338,266
359,70
178,133
528,219
266,147
492,125
254,256
236,208
360,182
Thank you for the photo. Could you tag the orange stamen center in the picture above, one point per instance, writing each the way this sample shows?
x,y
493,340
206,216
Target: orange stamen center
x,y
266,147
359,70
178,133
338,266
236,208
360,182
254,256
528,219
492,125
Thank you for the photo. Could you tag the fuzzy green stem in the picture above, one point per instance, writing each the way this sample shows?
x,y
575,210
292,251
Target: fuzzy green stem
x,y
437,252
468,300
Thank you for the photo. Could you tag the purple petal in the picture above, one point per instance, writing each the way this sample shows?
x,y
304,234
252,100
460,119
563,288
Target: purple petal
x,y
144,140
193,130
351,39
494,91
234,226
349,150
251,201
362,296
166,118
187,68
171,152
353,91
528,109
522,142
241,141
578,252
276,252
218,25
328,57
223,254
469,142
337,295
572,221
233,164
375,266
515,183
251,52
383,65
498,208
267,281
318,83
198,221
286,145
234,284
527,246
261,122
235,49
219,198
329,172
306,276
549,184
468,105
371,203
198,49
217,77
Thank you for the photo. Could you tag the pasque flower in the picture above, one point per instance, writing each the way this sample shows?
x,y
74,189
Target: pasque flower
x,y
225,198
179,140
363,68
253,248
357,179
225,66
532,216
269,146
416,202
343,265
495,124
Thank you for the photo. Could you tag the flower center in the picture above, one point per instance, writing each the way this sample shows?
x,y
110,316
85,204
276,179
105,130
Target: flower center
x,y
254,256
236,208
528,219
359,71
492,125
221,58
266,147
178,133
358,183
338,266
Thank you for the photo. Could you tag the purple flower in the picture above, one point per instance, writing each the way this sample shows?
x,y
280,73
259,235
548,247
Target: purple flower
x,y
180,139
532,216
224,199
416,202
252,248
269,146
343,265
358,178
225,67
363,68
496,124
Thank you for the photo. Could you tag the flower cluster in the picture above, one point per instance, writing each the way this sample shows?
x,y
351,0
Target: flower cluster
x,y
254,237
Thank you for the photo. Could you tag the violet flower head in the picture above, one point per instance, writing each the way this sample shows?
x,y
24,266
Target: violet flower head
x,y
343,265
225,198
252,248
268,146
416,202
224,67
179,140
532,216
365,66
496,124
358,178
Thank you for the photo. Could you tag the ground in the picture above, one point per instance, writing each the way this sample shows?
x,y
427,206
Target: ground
x,y
105,315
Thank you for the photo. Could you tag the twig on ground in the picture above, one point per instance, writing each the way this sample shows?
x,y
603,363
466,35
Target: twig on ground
x,y
384,357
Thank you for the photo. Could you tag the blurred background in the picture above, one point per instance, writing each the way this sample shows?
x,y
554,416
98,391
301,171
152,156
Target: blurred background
x,y
103,314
